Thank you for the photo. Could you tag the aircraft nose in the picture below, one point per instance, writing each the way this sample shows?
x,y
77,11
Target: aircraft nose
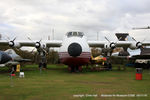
x,y
4,57
74,49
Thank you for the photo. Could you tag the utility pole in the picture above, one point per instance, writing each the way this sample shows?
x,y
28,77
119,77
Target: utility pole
x,y
48,37
97,36
53,33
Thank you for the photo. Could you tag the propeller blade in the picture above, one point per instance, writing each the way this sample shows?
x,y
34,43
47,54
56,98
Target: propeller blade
x,y
134,39
143,39
14,39
45,51
107,39
40,40
6,39
30,39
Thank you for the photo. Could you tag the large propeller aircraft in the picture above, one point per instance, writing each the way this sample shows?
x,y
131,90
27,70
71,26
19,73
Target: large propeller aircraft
x,y
74,48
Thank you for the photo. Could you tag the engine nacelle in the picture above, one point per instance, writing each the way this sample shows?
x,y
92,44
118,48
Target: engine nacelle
x,y
138,44
40,47
37,45
135,45
110,46
14,44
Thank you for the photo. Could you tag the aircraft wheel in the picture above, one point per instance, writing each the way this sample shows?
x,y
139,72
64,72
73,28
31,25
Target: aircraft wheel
x,y
80,68
69,68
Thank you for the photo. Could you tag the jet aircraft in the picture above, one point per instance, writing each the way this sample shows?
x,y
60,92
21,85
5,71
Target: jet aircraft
x,y
9,58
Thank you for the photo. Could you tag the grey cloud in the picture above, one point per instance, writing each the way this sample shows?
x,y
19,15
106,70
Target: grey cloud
x,y
90,16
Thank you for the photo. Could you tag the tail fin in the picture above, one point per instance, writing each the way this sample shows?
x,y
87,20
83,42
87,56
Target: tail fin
x,y
124,37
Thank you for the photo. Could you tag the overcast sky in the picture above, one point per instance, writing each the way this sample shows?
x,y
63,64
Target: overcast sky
x,y
37,18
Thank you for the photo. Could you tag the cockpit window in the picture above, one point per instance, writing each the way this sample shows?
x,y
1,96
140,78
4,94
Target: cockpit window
x,y
75,34
69,34
78,34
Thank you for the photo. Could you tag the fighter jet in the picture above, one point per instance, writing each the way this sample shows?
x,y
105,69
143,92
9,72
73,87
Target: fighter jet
x,y
4,58
10,58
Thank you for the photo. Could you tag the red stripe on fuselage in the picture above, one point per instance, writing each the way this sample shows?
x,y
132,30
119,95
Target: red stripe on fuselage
x,y
83,59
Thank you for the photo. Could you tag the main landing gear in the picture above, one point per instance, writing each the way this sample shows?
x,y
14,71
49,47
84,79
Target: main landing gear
x,y
75,68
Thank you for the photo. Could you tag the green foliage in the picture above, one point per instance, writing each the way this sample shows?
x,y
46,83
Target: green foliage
x,y
53,57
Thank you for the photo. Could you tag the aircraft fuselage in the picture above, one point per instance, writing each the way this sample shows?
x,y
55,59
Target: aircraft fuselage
x,y
75,51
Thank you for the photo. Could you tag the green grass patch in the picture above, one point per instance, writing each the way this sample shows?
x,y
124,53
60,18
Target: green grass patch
x,y
56,83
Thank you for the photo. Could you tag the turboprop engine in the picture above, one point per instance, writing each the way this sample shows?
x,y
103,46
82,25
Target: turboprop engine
x,y
136,45
14,44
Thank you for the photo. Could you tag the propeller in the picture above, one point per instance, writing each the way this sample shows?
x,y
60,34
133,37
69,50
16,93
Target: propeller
x,y
11,42
37,45
30,39
139,44
107,39
112,44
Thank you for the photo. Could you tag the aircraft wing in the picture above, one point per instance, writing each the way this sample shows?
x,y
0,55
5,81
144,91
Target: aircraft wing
x,y
96,44
26,43
124,44
129,43
51,43
48,43
146,43
21,43
3,43
102,43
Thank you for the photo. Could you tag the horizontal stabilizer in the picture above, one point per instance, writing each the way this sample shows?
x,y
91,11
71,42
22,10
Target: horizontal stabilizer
x,y
122,36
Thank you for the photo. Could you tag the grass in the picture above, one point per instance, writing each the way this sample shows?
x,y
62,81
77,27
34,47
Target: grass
x,y
56,83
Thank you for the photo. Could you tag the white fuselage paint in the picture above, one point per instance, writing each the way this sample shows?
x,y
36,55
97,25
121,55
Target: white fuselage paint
x,y
80,60
74,39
